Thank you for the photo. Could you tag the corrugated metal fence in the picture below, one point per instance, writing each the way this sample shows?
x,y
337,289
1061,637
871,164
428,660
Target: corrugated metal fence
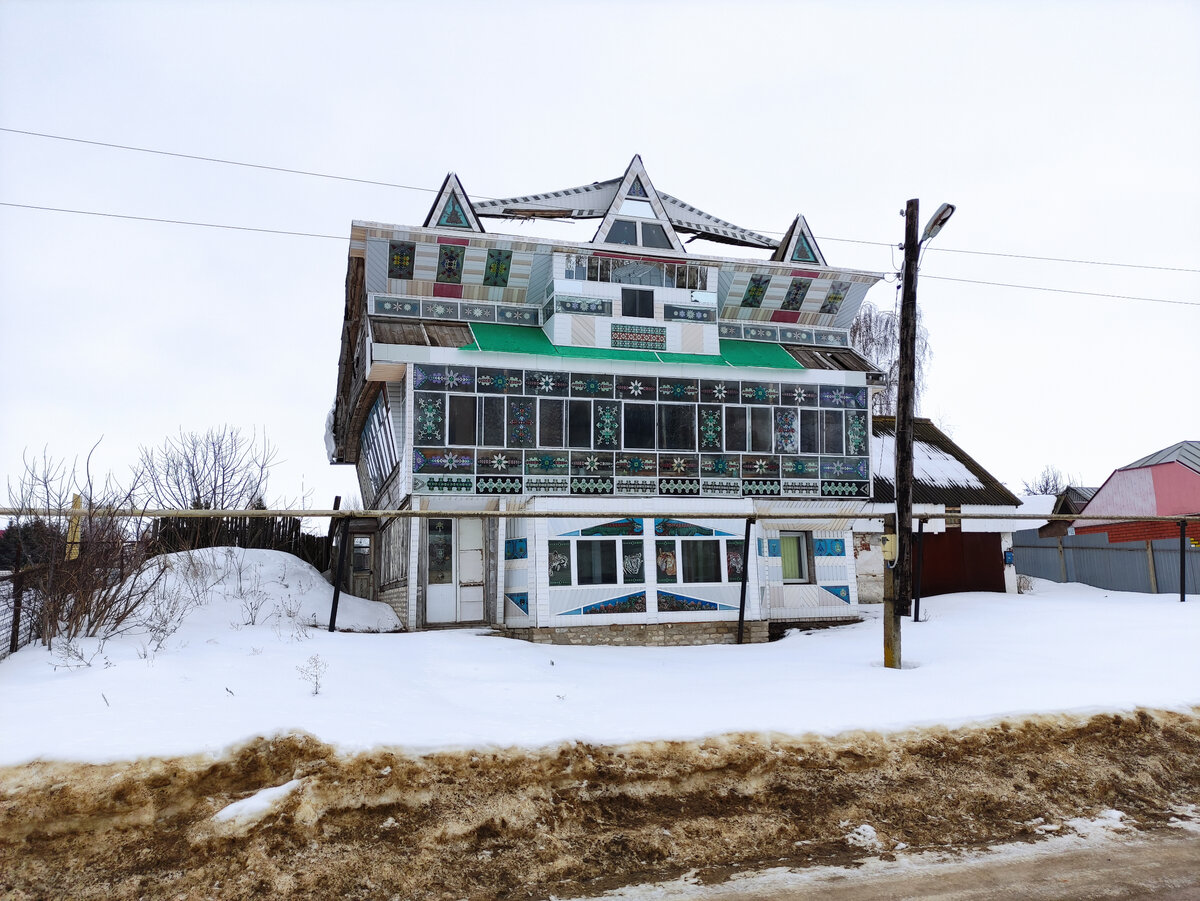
x,y
1090,559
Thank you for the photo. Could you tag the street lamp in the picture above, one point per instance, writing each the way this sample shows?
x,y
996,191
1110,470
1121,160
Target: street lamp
x,y
905,403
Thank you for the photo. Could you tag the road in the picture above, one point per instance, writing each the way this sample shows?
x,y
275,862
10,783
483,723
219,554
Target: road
x,y
1163,866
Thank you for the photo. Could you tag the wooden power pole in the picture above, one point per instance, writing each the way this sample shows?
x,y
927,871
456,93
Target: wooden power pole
x,y
905,404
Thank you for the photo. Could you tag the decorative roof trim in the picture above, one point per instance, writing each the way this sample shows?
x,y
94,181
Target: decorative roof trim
x,y
799,232
452,192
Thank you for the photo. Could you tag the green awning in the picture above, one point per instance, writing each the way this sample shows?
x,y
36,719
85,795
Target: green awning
x,y
521,339
516,339
757,353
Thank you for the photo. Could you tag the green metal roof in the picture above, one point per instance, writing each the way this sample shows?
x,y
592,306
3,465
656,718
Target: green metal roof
x,y
522,339
757,353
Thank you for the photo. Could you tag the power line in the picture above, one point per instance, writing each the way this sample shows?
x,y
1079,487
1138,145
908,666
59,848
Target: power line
x,y
241,228
386,184
971,281
300,234
1016,256
213,159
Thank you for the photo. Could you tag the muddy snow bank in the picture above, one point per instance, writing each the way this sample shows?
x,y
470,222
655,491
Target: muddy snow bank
x,y
578,818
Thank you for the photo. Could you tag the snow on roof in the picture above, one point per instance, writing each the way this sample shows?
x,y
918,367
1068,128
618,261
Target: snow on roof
x,y
931,465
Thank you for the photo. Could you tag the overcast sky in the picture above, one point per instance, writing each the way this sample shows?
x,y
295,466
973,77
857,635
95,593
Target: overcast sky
x,y
1067,130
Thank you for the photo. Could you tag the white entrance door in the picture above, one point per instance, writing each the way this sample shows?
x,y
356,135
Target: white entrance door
x,y
454,593
441,594
470,570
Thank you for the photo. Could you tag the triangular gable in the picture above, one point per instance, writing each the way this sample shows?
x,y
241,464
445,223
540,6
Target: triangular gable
x,y
452,208
635,189
799,246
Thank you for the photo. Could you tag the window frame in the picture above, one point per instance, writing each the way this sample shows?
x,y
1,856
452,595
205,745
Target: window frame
x,y
807,575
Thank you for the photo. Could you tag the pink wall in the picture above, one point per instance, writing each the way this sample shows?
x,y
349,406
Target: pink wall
x,y
1177,488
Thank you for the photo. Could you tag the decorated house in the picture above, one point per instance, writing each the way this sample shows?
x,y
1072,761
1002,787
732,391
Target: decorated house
x,y
634,403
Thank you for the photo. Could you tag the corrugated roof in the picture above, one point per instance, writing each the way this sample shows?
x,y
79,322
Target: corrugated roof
x,y
943,473
524,340
1185,452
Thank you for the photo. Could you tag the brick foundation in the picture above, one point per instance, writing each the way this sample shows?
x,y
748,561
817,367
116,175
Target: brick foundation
x,y
396,597
644,635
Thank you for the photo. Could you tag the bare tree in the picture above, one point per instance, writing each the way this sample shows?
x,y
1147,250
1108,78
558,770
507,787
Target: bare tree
x,y
1049,481
876,335
220,469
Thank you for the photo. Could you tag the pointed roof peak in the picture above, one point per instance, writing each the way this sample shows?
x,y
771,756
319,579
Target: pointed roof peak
x,y
452,207
799,245
636,214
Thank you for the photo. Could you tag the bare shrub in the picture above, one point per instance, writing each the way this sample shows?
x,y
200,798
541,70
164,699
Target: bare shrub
x,y
1024,584
312,670
96,570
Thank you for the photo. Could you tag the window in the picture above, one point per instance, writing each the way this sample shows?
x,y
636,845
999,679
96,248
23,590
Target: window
x,y
491,414
654,235
579,423
831,432
637,208
809,432
362,553
639,425
622,232
462,420
761,432
735,428
701,561
597,562
636,302
794,549
677,427
550,423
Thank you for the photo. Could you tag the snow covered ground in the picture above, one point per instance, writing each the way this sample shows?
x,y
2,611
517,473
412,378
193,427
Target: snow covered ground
x,y
221,679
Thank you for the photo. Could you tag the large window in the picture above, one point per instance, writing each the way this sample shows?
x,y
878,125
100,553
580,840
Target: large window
x,y
579,423
639,426
735,428
597,562
462,426
677,426
701,561
761,432
795,549
637,302
550,423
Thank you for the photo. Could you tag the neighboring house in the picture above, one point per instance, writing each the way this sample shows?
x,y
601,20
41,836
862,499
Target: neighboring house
x,y
621,381
1165,483
1068,502
956,554
1126,556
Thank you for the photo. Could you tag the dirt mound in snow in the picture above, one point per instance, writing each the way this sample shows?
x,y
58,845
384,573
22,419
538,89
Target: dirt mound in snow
x,y
571,820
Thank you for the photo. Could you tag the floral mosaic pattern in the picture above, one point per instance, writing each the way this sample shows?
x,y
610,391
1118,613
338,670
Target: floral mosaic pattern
x,y
516,548
711,428
402,255
638,337
591,386
430,416
756,290
496,269
796,293
450,263
519,599
521,420
607,425
856,433
833,300
677,389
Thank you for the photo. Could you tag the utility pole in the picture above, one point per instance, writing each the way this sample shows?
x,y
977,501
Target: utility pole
x,y
906,396
905,402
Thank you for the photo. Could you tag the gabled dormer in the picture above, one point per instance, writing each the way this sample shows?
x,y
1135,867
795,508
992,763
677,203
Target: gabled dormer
x,y
637,216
